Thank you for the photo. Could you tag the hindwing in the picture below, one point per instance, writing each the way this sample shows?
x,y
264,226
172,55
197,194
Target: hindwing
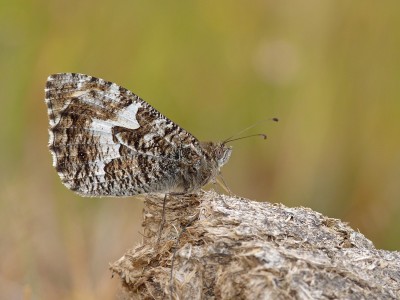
x,y
106,141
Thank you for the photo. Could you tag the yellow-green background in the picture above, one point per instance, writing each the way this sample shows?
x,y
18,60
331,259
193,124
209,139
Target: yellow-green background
x,y
330,70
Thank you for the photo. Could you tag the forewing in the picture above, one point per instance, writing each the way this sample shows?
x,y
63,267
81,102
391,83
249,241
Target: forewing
x,y
106,141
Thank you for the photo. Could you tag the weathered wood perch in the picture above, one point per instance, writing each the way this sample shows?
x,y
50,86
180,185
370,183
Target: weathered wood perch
x,y
235,248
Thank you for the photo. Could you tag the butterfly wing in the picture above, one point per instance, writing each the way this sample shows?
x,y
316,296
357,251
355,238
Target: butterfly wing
x,y
106,141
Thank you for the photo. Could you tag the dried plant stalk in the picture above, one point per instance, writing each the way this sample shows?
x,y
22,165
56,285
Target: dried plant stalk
x,y
235,248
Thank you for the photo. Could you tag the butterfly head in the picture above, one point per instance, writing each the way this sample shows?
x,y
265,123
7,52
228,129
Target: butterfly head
x,y
218,152
221,154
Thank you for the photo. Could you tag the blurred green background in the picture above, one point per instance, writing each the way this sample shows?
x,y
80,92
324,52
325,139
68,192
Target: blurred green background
x,y
330,70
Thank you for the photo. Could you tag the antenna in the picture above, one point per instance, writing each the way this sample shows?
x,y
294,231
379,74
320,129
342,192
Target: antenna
x,y
264,136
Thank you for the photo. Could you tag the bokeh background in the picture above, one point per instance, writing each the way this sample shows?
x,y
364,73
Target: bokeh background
x,y
330,70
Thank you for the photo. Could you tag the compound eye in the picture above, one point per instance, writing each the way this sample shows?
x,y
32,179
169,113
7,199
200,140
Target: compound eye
x,y
219,153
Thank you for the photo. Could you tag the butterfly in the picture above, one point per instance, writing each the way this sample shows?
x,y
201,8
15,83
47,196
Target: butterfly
x,y
106,141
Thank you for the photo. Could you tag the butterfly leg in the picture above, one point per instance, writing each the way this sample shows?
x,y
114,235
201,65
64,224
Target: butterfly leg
x,y
223,184
163,214
162,219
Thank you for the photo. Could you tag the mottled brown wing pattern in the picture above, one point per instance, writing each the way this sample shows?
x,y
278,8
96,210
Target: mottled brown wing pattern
x,y
106,141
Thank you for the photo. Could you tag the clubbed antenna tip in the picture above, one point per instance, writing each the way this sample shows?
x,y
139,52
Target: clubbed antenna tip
x,y
230,139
